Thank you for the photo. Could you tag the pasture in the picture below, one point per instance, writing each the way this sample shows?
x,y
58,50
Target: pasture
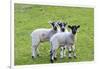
x,y
30,17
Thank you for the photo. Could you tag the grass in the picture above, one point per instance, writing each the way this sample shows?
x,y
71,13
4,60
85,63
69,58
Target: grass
x,y
30,17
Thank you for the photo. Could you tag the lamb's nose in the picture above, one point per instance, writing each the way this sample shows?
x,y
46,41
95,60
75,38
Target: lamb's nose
x,y
55,28
62,29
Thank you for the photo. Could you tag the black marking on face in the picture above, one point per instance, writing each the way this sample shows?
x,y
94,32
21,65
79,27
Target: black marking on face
x,y
74,28
54,25
62,26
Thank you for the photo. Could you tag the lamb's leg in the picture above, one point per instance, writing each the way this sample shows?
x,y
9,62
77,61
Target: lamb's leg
x,y
74,51
35,43
65,51
33,51
53,52
55,55
37,49
69,52
38,52
61,52
51,56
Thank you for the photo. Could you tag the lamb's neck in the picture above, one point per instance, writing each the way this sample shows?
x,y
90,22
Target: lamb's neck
x,y
51,33
54,31
72,36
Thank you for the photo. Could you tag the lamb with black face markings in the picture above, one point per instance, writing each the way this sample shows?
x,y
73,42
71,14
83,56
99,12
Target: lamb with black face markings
x,y
62,26
64,39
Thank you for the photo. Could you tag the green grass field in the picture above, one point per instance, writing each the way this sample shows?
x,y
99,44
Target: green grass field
x,y
30,17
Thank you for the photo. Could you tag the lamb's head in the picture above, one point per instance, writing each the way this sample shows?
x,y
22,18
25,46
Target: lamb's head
x,y
62,26
74,28
54,25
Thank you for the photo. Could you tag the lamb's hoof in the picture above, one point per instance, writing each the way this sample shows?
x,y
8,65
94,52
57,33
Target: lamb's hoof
x,y
75,57
38,55
32,57
70,57
55,58
51,61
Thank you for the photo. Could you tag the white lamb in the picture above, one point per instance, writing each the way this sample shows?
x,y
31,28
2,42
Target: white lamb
x,y
62,26
41,35
63,39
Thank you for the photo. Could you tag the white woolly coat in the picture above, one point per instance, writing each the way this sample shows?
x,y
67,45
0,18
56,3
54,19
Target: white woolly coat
x,y
41,35
62,39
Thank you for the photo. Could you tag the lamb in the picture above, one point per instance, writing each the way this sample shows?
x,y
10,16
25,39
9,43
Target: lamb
x,y
62,26
42,35
63,39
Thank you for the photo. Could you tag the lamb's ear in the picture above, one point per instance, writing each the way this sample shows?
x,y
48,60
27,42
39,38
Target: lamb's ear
x,y
69,26
65,24
78,26
59,23
51,23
